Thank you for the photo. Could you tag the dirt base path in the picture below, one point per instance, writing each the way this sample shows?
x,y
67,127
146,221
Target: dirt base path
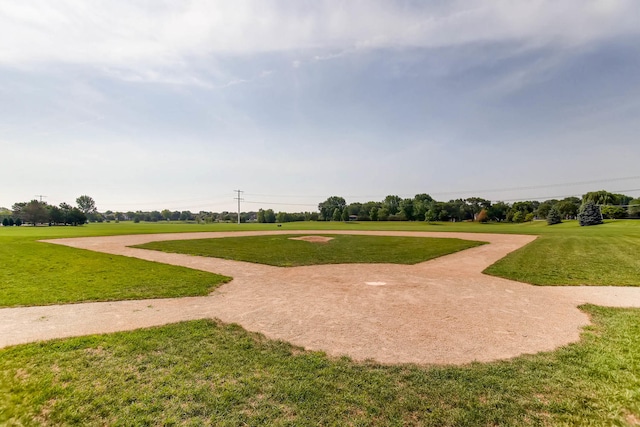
x,y
441,311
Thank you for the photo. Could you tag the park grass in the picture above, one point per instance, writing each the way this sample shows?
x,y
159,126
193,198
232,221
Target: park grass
x,y
282,251
35,273
567,254
208,373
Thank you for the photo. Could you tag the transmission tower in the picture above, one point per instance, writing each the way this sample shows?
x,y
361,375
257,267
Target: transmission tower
x,y
40,196
239,199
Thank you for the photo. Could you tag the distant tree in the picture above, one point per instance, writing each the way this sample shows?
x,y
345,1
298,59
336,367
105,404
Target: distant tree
x,y
166,214
281,217
11,222
345,215
421,204
86,204
35,212
373,213
18,222
529,217
614,212
482,216
328,207
392,204
17,209
383,214
5,222
634,208
269,216
155,216
544,208
76,217
477,204
56,215
569,207
518,216
337,215
553,216
589,214
354,209
406,208
498,211
261,216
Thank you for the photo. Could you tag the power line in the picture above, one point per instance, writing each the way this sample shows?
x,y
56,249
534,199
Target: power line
x,y
276,203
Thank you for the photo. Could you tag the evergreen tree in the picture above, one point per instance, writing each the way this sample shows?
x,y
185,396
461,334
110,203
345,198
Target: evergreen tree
x,y
553,216
589,214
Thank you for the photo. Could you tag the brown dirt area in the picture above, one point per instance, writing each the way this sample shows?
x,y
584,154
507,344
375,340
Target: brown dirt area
x,y
313,239
442,311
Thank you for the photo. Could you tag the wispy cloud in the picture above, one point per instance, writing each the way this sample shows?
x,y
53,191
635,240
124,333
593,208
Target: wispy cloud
x,y
123,34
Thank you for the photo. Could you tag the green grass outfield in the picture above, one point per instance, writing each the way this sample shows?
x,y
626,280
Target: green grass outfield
x,y
205,373
282,251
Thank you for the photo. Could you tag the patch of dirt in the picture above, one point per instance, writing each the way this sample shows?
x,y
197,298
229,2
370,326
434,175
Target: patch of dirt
x,y
313,239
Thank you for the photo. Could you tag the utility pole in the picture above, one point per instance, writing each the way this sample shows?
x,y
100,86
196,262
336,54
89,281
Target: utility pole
x,y
40,196
239,199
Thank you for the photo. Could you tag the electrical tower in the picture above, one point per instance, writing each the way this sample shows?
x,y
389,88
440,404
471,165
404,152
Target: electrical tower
x,y
239,199
40,196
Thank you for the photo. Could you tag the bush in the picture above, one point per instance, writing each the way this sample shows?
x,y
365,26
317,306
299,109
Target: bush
x,y
529,217
589,214
483,216
518,217
5,222
613,212
553,216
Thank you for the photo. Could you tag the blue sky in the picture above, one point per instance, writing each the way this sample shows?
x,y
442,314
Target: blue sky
x,y
174,104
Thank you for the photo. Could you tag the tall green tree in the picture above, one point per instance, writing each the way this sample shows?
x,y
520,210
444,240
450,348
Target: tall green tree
x,y
328,207
392,204
35,212
86,204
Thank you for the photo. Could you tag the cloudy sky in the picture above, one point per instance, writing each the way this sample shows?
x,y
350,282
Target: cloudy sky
x,y
174,104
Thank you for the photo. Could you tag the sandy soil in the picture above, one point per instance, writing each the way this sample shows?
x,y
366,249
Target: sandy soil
x,y
441,311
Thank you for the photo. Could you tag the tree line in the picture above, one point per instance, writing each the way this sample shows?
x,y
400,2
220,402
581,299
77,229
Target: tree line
x,y
40,212
423,207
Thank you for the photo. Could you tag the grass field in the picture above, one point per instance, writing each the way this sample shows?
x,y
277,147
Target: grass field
x,y
204,373
199,373
281,251
39,274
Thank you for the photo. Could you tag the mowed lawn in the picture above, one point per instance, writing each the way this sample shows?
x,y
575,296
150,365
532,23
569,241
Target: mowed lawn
x,y
206,373
35,273
283,251
567,254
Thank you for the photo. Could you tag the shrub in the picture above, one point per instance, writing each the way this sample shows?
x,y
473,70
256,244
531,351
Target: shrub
x,y
5,222
553,216
518,217
589,214
613,212
483,216
529,217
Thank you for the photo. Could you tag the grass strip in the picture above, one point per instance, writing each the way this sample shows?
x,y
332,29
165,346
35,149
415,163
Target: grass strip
x,y
282,251
207,373
36,273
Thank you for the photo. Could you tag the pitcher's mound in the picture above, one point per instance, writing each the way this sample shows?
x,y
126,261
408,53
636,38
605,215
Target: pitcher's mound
x,y
313,239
